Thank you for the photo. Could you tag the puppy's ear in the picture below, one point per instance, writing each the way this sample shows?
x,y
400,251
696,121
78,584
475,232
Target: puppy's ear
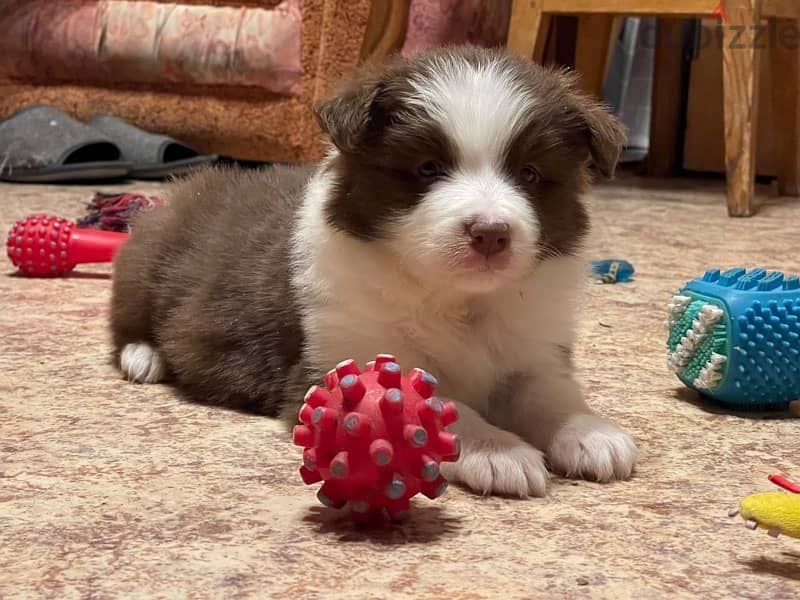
x,y
358,111
605,133
606,136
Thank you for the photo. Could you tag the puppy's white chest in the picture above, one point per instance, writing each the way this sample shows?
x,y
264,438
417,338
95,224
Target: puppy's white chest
x,y
456,349
471,348
447,343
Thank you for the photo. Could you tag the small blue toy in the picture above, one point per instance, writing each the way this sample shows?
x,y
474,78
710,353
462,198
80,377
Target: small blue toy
x,y
735,337
612,271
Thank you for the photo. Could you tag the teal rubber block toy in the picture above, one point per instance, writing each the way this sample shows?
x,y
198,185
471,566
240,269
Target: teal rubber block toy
x,y
735,337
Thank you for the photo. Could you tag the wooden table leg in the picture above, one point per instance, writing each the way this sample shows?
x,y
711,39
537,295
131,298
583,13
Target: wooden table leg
x,y
785,59
741,70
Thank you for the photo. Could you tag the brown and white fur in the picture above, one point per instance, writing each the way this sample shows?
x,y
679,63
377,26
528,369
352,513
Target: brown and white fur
x,y
444,226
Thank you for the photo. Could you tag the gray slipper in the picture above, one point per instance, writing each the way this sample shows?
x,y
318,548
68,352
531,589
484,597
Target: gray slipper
x,y
41,144
151,156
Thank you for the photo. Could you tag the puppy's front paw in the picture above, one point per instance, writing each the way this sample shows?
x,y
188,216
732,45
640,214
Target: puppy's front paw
x,y
592,448
503,465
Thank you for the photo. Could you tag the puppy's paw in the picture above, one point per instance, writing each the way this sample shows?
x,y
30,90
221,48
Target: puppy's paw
x,y
503,465
142,363
592,448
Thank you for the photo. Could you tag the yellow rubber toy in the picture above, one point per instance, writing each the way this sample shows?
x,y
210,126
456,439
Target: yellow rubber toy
x,y
777,512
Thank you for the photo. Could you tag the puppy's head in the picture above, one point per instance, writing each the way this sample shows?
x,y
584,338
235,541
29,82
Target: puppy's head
x,y
466,163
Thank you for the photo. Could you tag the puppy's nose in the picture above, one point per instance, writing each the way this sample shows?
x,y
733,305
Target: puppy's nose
x,y
489,237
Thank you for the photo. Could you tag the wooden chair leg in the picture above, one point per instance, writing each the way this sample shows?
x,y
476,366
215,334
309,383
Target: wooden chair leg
x,y
591,50
669,71
741,70
542,38
527,29
786,108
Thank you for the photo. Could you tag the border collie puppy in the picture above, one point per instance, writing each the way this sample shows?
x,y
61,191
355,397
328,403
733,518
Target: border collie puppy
x,y
444,226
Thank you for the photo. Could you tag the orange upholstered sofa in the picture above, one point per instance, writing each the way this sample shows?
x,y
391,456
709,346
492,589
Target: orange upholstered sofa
x,y
234,78
231,77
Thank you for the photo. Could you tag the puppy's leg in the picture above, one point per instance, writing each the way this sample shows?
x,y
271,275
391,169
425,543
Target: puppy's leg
x,y
135,351
142,363
300,378
494,461
547,408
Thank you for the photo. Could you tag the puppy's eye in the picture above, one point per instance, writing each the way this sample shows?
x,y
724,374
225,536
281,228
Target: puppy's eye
x,y
431,169
530,174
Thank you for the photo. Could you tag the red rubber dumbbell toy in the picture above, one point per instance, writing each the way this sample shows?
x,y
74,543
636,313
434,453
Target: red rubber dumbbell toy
x,y
375,438
46,246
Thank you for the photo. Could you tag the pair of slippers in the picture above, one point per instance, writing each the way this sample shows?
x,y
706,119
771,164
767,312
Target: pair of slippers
x,y
41,144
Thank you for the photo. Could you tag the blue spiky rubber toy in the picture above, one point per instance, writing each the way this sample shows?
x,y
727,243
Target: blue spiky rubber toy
x,y
735,336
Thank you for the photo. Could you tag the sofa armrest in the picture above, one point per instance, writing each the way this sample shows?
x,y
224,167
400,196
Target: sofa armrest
x,y
343,25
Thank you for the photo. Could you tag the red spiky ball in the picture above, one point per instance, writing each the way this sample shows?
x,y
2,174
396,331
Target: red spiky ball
x,y
375,438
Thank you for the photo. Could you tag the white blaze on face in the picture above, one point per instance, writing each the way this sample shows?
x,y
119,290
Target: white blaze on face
x,y
480,110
